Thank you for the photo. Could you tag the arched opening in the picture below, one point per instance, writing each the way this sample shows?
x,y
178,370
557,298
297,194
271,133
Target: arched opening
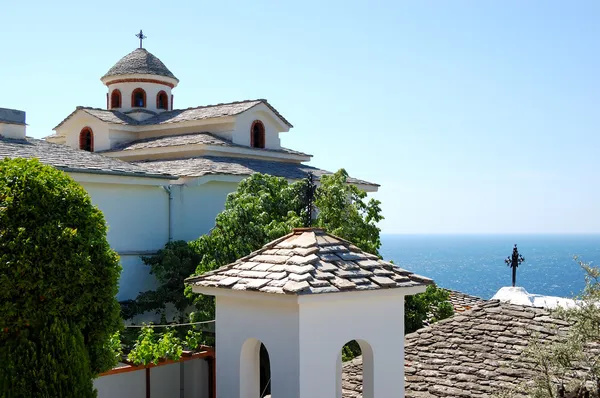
x,y
357,375
86,139
255,370
138,98
115,99
257,134
162,101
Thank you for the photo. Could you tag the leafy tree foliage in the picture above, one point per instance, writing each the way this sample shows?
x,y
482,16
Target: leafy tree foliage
x,y
264,208
57,275
574,362
432,306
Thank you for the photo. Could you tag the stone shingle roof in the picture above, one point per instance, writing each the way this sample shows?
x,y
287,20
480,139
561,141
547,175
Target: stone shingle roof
x,y
142,62
73,160
190,139
221,165
176,115
309,261
462,302
473,354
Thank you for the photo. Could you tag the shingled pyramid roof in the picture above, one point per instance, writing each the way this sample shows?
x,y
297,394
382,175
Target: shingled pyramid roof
x,y
309,261
140,61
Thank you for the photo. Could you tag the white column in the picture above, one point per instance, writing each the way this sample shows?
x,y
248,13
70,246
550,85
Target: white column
x,y
338,372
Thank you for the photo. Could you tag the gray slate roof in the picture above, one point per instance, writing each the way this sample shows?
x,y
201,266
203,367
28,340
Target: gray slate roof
x,y
190,139
309,261
140,61
73,160
176,115
462,302
473,354
221,165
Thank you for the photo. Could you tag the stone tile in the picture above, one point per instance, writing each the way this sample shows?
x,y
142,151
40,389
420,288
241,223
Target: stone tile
x,y
300,278
262,267
325,266
256,284
329,257
301,251
295,287
253,274
367,264
230,281
299,269
272,289
276,275
383,281
270,258
302,260
342,284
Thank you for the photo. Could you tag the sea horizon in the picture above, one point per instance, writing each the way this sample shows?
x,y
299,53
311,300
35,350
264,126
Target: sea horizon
x,y
474,263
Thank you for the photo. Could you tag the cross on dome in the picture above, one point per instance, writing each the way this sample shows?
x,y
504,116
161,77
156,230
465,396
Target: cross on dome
x,y
141,37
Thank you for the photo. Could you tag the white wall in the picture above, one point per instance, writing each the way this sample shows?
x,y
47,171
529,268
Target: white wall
x,y
126,385
152,90
276,325
243,124
197,206
165,382
73,127
138,221
304,336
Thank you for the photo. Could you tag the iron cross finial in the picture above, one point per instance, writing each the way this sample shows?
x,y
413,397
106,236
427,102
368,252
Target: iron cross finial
x,y
310,197
141,37
513,262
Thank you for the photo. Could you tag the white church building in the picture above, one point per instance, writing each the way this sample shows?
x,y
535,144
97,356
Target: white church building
x,y
159,173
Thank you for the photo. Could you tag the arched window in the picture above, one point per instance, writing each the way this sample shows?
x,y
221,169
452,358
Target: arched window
x,y
86,139
115,99
162,101
257,135
138,98
351,381
255,369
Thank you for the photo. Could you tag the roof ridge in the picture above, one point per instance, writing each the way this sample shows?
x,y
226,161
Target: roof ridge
x,y
219,104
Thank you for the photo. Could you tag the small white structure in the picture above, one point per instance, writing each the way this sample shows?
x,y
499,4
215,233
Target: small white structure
x,y
520,296
304,297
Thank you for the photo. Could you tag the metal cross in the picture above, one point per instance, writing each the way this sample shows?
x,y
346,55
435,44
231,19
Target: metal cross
x,y
310,197
514,261
141,37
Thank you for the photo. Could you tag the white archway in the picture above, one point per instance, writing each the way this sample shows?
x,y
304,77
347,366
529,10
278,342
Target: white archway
x,y
368,371
250,369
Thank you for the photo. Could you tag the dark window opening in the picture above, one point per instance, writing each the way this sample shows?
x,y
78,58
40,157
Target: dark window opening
x,y
86,140
257,139
115,99
162,101
138,98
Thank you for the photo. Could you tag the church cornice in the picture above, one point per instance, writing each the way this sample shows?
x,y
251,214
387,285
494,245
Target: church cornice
x,y
139,80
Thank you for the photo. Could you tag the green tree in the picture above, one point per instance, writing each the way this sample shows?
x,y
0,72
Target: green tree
x,y
58,282
573,361
431,306
264,208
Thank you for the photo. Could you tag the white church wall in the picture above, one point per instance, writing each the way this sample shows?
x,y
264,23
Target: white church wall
x,y
151,89
196,206
73,127
243,125
138,221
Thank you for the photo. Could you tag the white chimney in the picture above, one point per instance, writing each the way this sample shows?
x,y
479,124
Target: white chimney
x,y
12,124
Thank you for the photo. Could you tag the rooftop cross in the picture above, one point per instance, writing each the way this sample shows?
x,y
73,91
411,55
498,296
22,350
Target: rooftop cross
x,y
514,261
310,197
141,37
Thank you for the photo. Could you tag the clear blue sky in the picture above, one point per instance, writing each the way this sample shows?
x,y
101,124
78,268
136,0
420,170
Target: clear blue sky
x,y
474,116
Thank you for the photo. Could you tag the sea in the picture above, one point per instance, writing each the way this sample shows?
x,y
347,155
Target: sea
x,y
474,264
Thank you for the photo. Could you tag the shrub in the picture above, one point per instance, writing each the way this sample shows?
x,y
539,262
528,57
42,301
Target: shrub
x,y
58,277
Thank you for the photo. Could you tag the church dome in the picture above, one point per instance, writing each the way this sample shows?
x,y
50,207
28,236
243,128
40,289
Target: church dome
x,y
139,62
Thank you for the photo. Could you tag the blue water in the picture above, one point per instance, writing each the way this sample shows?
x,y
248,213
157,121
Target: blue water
x,y
474,264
